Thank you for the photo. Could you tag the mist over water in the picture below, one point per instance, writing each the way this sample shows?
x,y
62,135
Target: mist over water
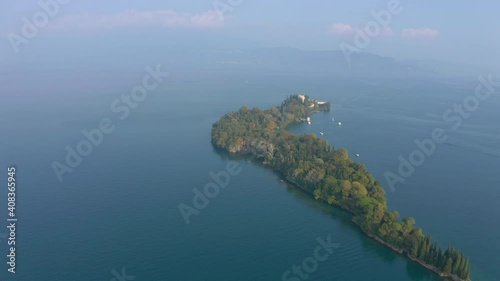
x,y
119,207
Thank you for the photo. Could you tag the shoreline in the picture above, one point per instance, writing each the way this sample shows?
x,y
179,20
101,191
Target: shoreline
x,y
260,147
374,237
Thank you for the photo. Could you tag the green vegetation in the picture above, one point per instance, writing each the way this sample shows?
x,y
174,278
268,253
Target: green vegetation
x,y
330,175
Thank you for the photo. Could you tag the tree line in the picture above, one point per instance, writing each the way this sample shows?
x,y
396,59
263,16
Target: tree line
x,y
330,175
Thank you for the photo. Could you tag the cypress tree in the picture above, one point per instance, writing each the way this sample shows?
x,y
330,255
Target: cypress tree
x,y
447,253
442,262
456,264
431,254
448,266
427,248
462,269
423,253
414,248
439,255
467,270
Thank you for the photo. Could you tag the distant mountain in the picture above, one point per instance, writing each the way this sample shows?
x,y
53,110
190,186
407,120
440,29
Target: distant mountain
x,y
289,59
450,68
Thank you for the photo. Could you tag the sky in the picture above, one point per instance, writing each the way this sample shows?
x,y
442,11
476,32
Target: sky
x,y
458,31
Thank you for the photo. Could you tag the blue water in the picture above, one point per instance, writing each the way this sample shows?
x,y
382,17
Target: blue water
x,y
119,207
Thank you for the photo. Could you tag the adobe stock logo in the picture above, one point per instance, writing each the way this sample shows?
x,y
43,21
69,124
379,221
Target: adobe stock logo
x,y
122,107
121,276
453,116
222,7
372,29
310,264
211,190
49,9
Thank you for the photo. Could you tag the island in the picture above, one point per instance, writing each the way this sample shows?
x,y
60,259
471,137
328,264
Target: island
x,y
330,175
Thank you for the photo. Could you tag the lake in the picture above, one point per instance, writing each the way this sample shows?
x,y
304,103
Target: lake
x,y
119,208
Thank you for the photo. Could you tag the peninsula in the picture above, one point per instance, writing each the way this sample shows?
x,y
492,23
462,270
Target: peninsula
x,y
330,175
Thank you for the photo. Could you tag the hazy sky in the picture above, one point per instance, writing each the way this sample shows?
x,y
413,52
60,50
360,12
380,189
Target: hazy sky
x,y
450,30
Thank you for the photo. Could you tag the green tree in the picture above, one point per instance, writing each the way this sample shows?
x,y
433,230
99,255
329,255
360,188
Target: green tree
x,y
448,266
328,174
456,264
414,248
466,273
317,193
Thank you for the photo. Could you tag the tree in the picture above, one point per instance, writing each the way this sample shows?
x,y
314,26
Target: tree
x,y
358,189
408,222
448,266
423,251
456,264
466,273
414,248
317,193
342,154
328,174
346,185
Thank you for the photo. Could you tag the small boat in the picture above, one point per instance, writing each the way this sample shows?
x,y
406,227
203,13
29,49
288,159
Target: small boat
x,y
357,154
333,119
340,123
321,133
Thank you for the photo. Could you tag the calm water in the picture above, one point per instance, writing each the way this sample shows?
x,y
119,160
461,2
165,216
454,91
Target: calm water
x,y
119,208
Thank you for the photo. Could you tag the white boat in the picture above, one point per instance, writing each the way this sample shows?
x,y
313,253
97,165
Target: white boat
x,y
340,123
321,133
357,154
333,119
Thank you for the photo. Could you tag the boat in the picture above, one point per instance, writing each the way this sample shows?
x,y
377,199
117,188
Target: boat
x,y
321,133
340,123
357,154
333,119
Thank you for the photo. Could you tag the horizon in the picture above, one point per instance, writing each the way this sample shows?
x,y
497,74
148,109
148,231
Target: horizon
x,y
390,28
249,140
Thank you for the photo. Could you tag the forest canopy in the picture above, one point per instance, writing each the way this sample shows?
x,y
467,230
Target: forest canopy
x,y
330,175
